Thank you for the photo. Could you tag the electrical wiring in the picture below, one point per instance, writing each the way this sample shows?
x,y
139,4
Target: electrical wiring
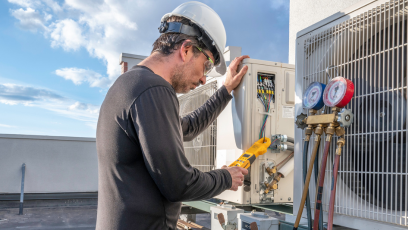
x,y
267,103
265,94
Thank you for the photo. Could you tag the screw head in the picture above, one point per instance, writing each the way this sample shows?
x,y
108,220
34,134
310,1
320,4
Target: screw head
x,y
347,117
289,199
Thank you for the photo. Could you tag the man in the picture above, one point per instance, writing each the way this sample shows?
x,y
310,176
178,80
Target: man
x,y
143,172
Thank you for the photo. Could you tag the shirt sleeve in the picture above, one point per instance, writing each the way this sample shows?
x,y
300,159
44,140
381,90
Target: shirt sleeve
x,y
197,121
155,115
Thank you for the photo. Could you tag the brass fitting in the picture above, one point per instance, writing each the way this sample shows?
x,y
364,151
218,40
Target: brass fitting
x,y
312,112
330,130
308,132
340,131
269,187
273,185
340,143
319,129
335,110
271,171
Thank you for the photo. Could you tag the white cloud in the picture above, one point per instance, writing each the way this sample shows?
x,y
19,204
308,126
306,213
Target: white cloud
x,y
79,76
12,94
92,109
104,28
66,34
30,19
53,5
26,3
37,4
7,126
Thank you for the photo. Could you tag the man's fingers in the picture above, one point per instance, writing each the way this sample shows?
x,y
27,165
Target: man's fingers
x,y
224,167
242,72
244,171
234,64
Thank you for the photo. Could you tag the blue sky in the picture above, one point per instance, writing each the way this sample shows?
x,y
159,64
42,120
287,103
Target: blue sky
x,y
58,58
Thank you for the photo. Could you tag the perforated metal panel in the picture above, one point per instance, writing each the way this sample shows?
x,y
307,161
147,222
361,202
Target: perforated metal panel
x,y
370,50
201,151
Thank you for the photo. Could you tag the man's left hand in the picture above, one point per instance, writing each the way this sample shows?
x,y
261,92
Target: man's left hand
x,y
233,77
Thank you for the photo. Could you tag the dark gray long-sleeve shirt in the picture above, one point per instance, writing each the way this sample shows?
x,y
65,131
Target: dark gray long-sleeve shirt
x,y
143,172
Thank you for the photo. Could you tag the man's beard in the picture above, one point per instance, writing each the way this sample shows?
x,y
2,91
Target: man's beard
x,y
180,79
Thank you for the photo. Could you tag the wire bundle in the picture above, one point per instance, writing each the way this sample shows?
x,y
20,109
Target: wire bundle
x,y
265,95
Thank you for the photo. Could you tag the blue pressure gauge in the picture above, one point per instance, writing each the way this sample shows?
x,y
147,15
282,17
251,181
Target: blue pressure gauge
x,y
313,96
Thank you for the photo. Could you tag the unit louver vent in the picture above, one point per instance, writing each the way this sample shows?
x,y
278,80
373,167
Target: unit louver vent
x,y
201,151
371,51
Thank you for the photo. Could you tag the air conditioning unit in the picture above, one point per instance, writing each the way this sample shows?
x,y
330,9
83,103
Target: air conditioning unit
x,y
367,44
239,126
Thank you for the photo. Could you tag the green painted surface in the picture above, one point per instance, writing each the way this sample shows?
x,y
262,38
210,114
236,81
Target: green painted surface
x,y
205,206
289,226
277,208
202,205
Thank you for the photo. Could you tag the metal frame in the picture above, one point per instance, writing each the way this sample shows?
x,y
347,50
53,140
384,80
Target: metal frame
x,y
205,205
201,151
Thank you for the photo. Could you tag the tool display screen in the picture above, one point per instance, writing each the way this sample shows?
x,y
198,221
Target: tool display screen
x,y
245,226
246,155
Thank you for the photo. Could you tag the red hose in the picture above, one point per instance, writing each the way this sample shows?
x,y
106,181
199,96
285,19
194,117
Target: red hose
x,y
321,183
333,192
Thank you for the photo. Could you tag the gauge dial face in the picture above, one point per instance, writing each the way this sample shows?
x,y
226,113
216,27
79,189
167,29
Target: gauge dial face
x,y
335,91
313,95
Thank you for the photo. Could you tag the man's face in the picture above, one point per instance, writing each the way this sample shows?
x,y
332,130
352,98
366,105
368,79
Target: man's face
x,y
189,75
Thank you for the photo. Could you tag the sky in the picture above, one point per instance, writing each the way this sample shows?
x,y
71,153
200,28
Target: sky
x,y
58,58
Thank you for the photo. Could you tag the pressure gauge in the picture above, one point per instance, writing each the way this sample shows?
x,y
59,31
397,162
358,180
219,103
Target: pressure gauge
x,y
313,97
338,92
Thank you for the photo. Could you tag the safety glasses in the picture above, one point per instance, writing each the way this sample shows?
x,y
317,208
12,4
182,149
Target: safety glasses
x,y
209,64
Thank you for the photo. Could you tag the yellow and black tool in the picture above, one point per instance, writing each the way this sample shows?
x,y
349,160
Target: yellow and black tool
x,y
258,148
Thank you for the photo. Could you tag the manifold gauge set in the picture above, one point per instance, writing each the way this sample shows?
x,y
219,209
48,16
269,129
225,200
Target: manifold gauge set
x,y
336,94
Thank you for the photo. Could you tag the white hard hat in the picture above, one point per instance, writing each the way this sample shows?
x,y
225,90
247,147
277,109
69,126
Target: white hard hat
x,y
212,29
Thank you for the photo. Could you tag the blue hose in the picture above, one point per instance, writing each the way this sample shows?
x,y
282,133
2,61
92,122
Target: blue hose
x,y
316,174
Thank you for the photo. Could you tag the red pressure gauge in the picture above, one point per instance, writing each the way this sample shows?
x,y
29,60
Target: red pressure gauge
x,y
338,92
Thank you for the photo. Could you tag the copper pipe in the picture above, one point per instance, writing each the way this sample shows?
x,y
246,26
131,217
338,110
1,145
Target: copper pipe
x,y
282,163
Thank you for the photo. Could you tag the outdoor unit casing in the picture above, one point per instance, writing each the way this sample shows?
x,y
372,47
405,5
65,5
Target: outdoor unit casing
x,y
238,127
367,44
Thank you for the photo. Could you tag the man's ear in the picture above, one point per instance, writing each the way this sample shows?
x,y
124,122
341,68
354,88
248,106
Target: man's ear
x,y
186,51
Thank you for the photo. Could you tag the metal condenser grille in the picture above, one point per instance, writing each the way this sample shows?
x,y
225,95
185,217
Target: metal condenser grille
x,y
371,51
201,151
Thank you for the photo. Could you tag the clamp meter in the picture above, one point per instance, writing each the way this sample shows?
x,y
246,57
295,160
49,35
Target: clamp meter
x,y
258,148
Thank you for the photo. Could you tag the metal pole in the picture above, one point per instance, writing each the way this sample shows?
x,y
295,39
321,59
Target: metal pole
x,y
22,190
